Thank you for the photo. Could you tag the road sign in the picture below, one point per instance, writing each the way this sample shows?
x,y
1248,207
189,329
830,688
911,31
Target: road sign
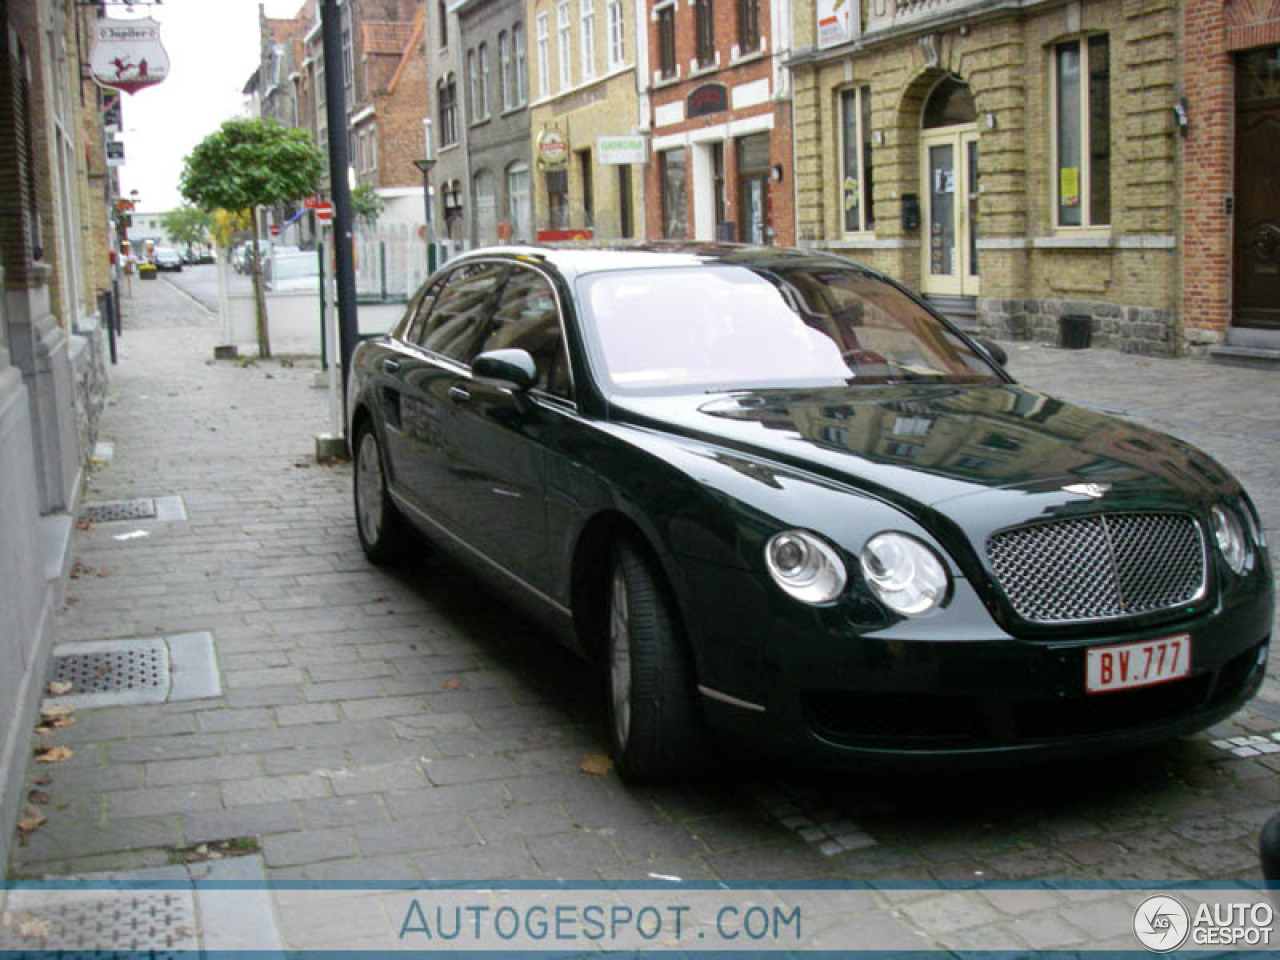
x,y
324,212
312,201
275,229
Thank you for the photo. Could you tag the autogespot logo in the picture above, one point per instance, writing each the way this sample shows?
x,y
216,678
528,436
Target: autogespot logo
x,y
1161,924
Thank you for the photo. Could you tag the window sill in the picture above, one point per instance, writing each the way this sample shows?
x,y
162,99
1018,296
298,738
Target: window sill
x,y
481,122
757,54
866,241
1074,240
666,82
447,147
508,111
695,72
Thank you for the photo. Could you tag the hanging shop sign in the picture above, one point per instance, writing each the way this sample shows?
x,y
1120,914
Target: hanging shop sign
x,y
127,54
835,22
621,150
707,99
115,153
111,110
553,150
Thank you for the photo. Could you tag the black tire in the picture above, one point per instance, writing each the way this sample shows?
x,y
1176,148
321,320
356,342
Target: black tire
x,y
654,721
379,525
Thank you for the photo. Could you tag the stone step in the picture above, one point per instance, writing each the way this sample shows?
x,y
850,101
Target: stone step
x,y
1258,357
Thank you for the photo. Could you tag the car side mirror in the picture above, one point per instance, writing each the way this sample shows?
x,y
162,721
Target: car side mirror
x,y
994,350
510,366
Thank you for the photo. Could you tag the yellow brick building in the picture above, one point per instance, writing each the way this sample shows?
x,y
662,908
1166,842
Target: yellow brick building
x,y
585,117
1016,164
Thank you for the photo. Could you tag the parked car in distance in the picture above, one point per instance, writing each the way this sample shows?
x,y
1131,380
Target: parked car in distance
x,y
791,509
168,259
292,273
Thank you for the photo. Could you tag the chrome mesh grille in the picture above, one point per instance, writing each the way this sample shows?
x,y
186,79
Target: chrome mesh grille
x,y
1099,568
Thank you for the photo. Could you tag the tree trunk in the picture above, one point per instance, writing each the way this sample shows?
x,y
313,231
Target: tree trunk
x,y
260,297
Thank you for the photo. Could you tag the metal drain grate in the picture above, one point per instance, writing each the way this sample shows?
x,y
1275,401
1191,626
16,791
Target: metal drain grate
x,y
162,923
113,671
144,508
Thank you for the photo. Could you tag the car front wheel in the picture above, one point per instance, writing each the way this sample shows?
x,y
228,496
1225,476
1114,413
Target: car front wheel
x,y
655,725
378,522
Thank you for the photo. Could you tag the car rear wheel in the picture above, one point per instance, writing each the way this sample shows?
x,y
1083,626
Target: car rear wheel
x,y
655,726
378,522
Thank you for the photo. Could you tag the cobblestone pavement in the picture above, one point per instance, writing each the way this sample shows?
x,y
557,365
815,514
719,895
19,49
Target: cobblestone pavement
x,y
381,725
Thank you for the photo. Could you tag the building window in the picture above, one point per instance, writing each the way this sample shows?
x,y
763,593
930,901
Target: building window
x,y
748,26
1082,132
348,63
518,208
671,174
473,80
484,80
564,45
856,195
704,33
486,209
443,16
544,55
447,94
504,70
587,38
616,42
588,189
557,199
667,42
451,202
521,79
373,149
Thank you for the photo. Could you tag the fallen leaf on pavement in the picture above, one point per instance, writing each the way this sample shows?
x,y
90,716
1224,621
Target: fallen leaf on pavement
x,y
596,764
31,824
53,754
104,573
59,687
382,599
32,928
452,685
55,710
43,780
44,731
59,723
38,796
84,524
188,931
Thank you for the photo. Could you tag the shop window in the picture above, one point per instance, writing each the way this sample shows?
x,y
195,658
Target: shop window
x,y
667,42
704,33
1082,132
672,174
558,199
856,186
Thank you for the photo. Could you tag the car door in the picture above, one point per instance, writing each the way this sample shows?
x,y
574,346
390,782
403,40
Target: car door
x,y
500,439
424,455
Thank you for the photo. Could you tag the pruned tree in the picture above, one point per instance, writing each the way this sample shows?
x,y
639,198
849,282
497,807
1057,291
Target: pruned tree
x,y
247,164
366,205
187,225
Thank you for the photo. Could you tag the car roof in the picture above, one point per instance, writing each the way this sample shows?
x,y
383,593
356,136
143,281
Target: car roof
x,y
577,258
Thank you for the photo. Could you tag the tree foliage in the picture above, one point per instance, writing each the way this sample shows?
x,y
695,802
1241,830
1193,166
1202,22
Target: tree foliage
x,y
187,225
227,223
365,203
251,163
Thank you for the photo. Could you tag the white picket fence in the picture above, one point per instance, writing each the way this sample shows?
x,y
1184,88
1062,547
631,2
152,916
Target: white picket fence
x,y
391,261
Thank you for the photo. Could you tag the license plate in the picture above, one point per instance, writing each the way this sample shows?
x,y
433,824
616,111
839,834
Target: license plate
x,y
1128,665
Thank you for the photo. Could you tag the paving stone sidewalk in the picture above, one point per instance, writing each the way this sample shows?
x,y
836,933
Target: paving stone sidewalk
x,y
408,725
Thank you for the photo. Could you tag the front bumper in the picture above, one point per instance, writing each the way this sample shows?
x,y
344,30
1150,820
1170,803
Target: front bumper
x,y
834,697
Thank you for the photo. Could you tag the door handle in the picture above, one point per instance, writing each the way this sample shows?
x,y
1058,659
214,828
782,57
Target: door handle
x,y
390,365
459,393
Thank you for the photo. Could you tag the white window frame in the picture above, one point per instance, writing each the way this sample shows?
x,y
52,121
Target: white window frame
x,y
1085,185
542,26
519,203
587,39
863,208
617,34
473,82
504,70
483,53
564,44
521,65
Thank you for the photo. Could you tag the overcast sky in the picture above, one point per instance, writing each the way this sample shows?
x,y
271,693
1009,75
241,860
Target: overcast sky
x,y
212,47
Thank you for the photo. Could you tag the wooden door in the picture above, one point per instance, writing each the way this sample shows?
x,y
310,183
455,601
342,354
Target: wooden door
x,y
1256,261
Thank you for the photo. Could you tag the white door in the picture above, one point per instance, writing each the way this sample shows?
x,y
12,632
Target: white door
x,y
950,188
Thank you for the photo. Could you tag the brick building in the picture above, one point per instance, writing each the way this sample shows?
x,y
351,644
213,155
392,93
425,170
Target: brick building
x,y
1231,185
1016,163
54,247
720,100
444,93
585,122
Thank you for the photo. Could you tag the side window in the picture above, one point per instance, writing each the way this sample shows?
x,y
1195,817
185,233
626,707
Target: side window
x,y
416,316
527,319
461,315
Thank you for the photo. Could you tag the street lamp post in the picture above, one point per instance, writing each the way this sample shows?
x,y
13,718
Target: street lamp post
x,y
425,165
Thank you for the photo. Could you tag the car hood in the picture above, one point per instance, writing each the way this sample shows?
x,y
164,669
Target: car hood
x,y
998,450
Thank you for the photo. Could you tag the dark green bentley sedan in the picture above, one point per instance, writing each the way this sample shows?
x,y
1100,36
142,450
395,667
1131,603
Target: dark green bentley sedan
x,y
790,509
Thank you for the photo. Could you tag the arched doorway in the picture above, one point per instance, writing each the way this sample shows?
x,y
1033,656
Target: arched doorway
x,y
949,189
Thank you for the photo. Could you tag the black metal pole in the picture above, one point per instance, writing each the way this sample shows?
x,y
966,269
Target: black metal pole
x,y
336,115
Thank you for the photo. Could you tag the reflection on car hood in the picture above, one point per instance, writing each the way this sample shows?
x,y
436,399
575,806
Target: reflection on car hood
x,y
934,443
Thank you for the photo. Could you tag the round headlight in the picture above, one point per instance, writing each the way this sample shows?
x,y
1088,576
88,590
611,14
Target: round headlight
x,y
904,573
1229,535
805,566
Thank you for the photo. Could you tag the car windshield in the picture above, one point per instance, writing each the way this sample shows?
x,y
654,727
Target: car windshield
x,y
294,267
726,327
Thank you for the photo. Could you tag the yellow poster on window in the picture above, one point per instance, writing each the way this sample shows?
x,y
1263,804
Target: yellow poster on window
x,y
1069,186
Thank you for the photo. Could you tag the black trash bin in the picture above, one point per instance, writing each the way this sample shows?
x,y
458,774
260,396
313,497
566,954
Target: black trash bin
x,y
1073,332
